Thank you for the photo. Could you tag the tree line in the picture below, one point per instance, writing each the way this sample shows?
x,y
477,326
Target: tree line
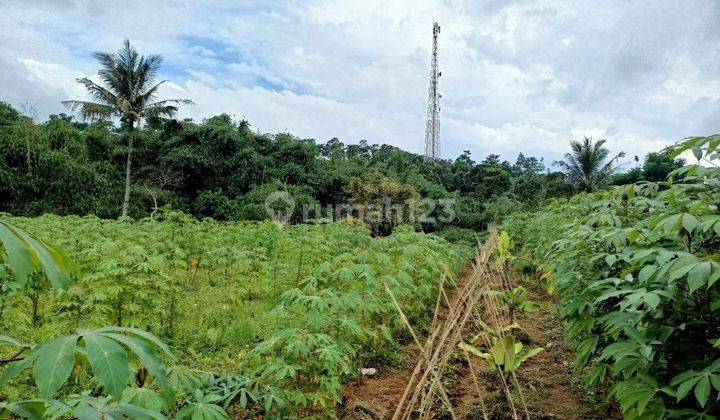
x,y
221,168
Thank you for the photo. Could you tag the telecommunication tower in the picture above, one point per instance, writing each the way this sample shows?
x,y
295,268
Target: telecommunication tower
x,y
432,126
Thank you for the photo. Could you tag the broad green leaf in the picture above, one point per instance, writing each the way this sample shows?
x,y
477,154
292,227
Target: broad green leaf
x,y
529,306
652,300
109,363
4,339
145,398
647,272
610,259
669,223
698,276
683,377
132,411
508,344
55,264
585,349
17,254
702,390
146,356
185,378
54,361
715,275
715,381
142,334
697,150
685,387
690,222
522,357
472,349
57,410
32,410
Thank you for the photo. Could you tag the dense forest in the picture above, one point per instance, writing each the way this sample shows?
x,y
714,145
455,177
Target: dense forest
x,y
220,168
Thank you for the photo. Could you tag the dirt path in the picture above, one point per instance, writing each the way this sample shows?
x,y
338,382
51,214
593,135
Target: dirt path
x,y
377,398
554,387
550,385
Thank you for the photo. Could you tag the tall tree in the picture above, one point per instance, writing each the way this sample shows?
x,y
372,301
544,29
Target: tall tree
x,y
657,166
128,92
586,166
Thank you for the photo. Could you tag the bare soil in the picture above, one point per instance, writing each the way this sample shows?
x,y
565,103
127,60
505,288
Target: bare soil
x,y
549,384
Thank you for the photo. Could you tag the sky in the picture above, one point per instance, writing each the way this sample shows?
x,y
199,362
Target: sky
x,y
517,76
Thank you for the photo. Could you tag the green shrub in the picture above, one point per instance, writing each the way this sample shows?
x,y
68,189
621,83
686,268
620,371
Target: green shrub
x,y
637,270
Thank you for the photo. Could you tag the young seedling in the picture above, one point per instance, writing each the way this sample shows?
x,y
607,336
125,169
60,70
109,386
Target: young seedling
x,y
506,354
515,300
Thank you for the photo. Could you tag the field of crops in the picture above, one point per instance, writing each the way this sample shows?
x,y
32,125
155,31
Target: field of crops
x,y
174,317
637,271
260,317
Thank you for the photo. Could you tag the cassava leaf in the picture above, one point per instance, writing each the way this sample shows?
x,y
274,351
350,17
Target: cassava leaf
x,y
145,353
54,361
109,363
702,390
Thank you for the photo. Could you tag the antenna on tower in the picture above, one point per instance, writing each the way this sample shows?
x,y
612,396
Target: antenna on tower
x,y
432,126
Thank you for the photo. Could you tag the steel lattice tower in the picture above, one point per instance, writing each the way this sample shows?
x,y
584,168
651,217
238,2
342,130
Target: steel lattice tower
x,y
432,126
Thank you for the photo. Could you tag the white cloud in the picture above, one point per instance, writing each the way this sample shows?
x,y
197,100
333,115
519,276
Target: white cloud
x,y
523,76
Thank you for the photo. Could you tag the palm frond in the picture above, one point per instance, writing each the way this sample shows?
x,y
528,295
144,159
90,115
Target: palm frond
x,y
172,101
91,110
109,72
585,165
146,73
98,92
160,111
148,94
128,88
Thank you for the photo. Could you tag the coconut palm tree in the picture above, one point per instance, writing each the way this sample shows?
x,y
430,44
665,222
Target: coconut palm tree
x,y
586,166
127,92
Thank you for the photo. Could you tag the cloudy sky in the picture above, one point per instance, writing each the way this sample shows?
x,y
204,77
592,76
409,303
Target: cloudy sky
x,y
518,76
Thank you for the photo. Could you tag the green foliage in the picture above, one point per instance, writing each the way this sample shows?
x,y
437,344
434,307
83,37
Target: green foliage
x,y
203,406
515,300
220,168
656,167
586,165
103,348
637,270
503,249
283,314
128,92
465,237
23,253
374,189
506,354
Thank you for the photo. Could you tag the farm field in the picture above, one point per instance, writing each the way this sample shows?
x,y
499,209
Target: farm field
x,y
278,320
438,210
296,308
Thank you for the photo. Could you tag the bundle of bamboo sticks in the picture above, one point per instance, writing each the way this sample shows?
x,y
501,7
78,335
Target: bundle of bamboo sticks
x,y
425,385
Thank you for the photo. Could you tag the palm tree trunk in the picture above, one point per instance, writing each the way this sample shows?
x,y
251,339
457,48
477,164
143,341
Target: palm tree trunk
x,y
126,199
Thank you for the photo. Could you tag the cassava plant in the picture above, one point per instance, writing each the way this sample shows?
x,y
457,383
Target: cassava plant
x,y
636,268
515,301
506,354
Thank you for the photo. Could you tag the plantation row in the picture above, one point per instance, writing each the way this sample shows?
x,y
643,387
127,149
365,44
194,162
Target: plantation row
x,y
636,269
262,318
